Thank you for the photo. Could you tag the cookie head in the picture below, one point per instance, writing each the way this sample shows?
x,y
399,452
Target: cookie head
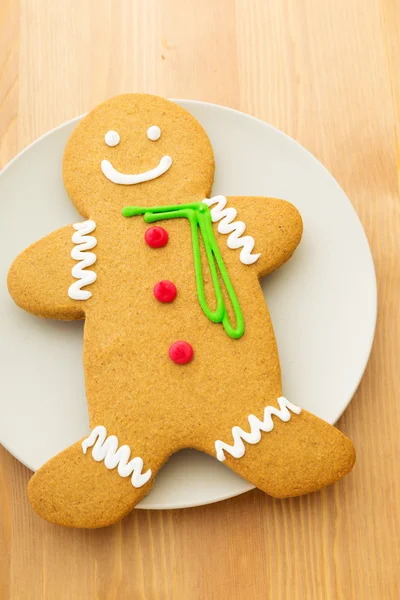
x,y
137,149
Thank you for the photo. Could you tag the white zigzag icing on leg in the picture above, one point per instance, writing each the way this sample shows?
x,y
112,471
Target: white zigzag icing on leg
x,y
106,448
237,450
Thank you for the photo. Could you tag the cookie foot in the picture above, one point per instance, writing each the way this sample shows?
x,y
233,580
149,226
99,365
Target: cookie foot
x,y
296,457
76,490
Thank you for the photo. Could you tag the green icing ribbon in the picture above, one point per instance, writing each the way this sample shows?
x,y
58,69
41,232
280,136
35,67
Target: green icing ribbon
x,y
199,217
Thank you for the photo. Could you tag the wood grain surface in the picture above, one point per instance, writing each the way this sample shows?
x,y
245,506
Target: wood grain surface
x,y
327,72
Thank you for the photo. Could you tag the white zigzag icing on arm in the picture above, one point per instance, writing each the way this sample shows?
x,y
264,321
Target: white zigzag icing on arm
x,y
237,450
106,448
228,225
87,259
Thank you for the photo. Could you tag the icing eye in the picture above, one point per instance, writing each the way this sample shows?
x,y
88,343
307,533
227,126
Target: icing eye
x,y
112,138
153,133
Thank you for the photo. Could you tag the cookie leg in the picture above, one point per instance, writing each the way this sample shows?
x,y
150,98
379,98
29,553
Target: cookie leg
x,y
92,483
300,455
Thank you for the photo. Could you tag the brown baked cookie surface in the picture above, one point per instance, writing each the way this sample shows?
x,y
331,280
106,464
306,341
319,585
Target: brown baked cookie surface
x,y
179,349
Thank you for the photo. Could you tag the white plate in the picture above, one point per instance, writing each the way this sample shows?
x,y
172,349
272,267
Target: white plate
x,y
323,302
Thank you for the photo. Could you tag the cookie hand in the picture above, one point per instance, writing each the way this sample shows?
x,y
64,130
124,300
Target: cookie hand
x,y
40,277
266,229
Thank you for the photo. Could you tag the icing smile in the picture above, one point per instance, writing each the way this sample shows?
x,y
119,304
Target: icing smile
x,y
131,178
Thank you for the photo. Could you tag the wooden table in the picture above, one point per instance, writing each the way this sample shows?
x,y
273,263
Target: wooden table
x,y
327,73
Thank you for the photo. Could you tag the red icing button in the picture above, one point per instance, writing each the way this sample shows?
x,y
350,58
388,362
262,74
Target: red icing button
x,y
156,237
181,352
165,291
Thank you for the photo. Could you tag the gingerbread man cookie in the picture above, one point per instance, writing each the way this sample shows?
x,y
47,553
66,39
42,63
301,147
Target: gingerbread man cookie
x,y
179,349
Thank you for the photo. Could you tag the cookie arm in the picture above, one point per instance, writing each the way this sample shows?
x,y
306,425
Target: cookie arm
x,y
274,225
40,277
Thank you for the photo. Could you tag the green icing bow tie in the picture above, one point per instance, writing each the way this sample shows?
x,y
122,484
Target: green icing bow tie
x,y
199,218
